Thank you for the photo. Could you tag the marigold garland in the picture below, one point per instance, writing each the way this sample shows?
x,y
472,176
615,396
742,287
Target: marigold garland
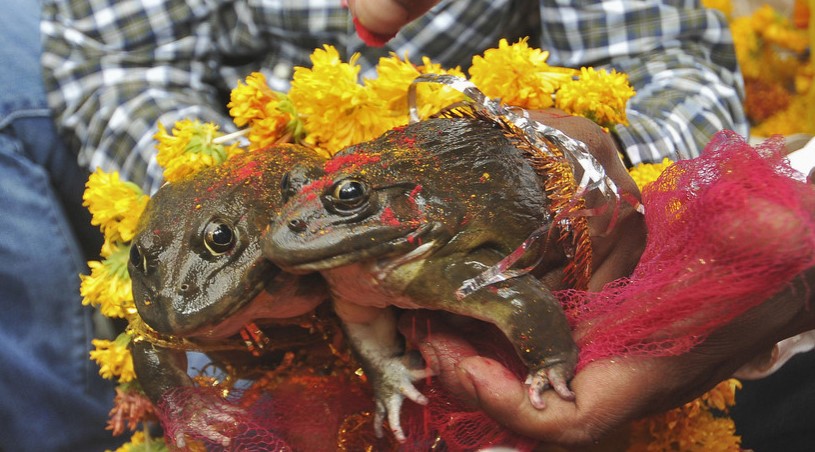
x,y
270,114
329,109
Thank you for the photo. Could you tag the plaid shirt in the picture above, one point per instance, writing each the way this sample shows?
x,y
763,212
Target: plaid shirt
x,y
114,68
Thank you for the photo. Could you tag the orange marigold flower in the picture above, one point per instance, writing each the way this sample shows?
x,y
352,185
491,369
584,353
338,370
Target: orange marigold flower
x,y
270,114
693,426
130,407
248,101
645,173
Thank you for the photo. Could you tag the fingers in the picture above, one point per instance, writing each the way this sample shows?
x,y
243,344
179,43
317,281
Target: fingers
x,y
441,348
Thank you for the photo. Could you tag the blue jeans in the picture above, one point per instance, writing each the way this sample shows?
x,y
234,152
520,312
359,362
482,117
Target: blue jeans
x,y
51,396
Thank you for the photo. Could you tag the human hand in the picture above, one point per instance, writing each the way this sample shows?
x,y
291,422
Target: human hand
x,y
616,249
384,18
609,392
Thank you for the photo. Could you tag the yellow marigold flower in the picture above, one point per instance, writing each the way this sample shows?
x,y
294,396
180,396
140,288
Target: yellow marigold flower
x,y
597,95
336,109
394,76
518,75
114,358
108,285
748,46
795,119
645,173
247,102
270,115
115,205
777,29
190,147
141,442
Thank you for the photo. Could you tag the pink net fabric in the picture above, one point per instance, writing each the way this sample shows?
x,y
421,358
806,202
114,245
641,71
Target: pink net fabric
x,y
725,232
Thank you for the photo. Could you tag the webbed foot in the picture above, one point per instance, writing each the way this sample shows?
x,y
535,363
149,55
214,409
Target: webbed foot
x,y
391,388
555,377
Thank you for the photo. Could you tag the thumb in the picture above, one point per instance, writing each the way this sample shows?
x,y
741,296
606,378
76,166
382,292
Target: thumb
x,y
496,391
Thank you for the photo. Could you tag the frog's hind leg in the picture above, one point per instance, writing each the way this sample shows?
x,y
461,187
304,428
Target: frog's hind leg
x,y
530,316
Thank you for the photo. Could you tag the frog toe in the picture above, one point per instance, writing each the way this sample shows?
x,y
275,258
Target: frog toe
x,y
389,404
391,409
554,377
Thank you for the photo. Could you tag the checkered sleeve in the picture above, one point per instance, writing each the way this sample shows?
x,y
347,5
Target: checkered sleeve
x,y
679,58
115,68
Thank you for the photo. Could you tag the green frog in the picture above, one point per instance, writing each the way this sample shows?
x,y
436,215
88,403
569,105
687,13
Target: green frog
x,y
199,276
404,222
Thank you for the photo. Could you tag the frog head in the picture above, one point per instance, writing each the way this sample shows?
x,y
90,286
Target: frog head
x,y
196,264
447,182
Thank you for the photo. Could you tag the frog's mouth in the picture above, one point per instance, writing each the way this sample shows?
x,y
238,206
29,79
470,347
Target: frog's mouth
x,y
239,314
282,297
352,250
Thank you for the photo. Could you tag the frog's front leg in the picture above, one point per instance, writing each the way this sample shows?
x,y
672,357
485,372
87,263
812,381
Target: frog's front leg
x,y
374,338
160,370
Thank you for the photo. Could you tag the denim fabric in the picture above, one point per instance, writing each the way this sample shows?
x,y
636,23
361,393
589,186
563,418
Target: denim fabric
x,y
51,396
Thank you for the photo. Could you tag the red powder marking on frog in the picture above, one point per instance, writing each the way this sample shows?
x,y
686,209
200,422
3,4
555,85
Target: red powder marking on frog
x,y
408,142
313,190
389,218
349,161
251,169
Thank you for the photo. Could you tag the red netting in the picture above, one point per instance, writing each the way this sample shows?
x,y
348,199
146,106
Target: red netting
x,y
726,231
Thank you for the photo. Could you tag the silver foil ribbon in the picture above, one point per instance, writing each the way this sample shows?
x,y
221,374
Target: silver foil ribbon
x,y
540,137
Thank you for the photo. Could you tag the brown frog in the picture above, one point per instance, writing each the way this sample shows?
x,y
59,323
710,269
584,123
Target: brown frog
x,y
198,274
404,221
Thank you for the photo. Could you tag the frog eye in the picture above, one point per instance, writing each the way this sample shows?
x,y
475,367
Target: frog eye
x,y
350,194
137,258
218,237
